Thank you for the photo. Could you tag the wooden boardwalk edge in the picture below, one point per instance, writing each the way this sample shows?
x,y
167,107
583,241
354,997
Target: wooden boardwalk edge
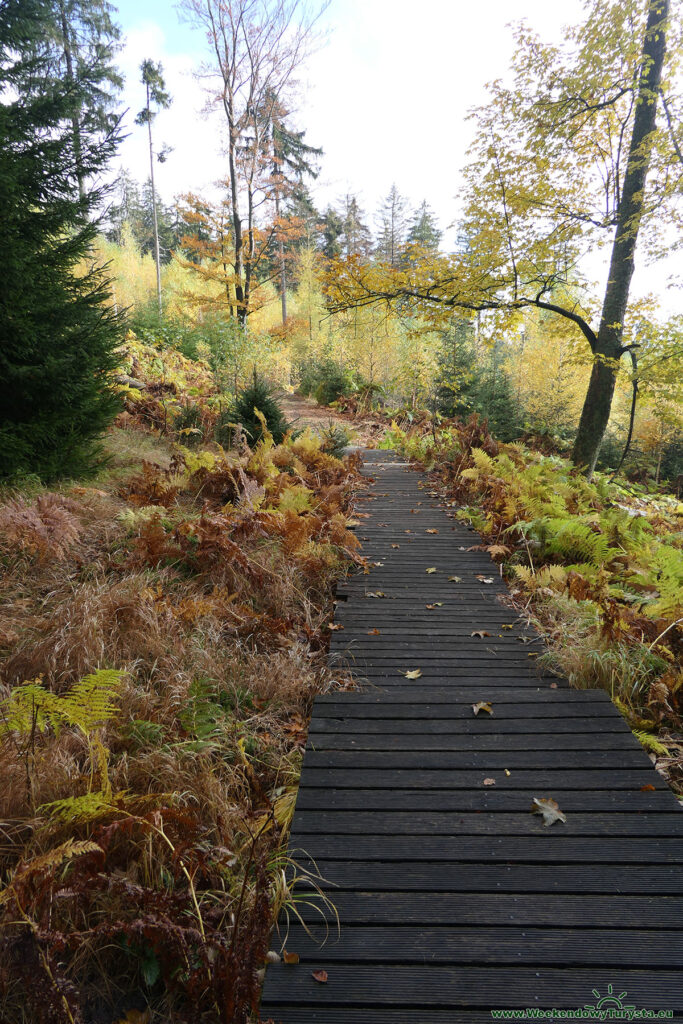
x,y
453,899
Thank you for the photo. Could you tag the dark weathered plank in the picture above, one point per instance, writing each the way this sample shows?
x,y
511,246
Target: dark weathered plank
x,y
465,742
486,760
543,848
427,985
485,798
400,908
455,877
410,944
496,824
404,780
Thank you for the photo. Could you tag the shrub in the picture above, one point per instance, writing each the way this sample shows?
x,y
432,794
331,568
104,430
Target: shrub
x,y
258,395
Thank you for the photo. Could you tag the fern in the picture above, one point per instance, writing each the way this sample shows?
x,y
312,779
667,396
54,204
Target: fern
x,y
575,541
88,704
651,743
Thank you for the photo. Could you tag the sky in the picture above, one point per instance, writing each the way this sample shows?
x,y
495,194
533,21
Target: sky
x,y
386,95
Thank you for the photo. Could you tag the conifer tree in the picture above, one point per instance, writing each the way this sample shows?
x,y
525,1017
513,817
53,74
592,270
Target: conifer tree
x,y
58,332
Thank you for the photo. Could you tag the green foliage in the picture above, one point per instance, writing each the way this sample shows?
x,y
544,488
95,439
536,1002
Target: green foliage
x,y
326,380
334,439
256,398
89,704
59,333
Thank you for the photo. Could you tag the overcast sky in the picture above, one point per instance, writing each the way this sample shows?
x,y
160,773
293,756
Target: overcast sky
x,y
386,97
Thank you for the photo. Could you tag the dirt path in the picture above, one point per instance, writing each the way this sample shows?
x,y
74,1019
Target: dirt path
x,y
305,412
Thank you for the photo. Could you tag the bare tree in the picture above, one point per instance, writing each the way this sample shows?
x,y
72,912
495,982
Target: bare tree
x,y
257,47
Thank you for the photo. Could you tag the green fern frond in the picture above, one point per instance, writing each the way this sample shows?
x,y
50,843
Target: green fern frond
x,y
651,743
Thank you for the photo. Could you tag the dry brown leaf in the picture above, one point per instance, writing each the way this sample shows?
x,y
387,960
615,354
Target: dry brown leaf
x,y
334,626
320,976
414,673
480,633
395,545
375,593
373,632
489,782
455,579
430,570
549,809
482,705
553,686
290,958
648,789
431,531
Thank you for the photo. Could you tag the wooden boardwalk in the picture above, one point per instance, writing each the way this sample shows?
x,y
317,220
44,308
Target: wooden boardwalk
x,y
453,898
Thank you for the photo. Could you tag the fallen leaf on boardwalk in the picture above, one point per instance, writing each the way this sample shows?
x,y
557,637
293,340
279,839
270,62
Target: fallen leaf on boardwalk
x,y
407,531
334,626
549,809
455,579
395,545
290,958
320,976
553,686
532,654
414,673
373,632
485,579
648,789
480,632
507,625
506,771
489,782
383,524
375,593
482,705
430,571
431,531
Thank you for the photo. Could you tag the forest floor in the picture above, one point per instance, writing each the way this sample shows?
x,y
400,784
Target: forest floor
x,y
306,412
148,764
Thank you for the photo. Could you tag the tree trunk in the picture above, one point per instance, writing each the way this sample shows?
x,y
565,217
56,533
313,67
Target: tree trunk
x,y
75,120
157,257
608,347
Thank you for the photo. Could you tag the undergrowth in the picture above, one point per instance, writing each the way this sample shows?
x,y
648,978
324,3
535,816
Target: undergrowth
x,y
162,636
598,565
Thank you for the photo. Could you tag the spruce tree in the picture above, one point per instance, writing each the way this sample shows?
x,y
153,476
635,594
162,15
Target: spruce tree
x,y
58,333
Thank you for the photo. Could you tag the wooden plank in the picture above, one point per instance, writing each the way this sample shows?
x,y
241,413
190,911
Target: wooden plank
x,y
504,824
404,780
465,694
444,944
544,848
512,709
429,985
401,908
486,760
468,724
484,798
617,879
496,742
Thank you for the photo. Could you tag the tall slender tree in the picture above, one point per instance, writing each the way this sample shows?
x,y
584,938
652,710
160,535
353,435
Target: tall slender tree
x,y
392,221
86,43
257,47
59,333
152,77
